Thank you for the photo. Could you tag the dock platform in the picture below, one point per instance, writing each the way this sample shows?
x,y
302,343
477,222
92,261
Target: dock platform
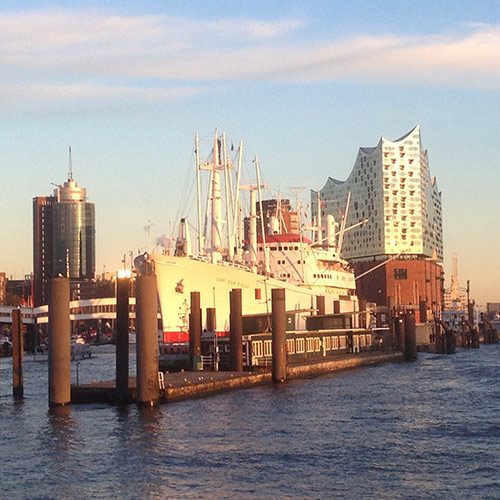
x,y
188,385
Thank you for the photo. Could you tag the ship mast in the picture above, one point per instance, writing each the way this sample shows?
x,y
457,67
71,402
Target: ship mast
x,y
201,238
235,248
263,229
342,226
319,231
216,198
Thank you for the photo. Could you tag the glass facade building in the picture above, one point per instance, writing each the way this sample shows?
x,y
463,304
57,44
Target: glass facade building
x,y
64,237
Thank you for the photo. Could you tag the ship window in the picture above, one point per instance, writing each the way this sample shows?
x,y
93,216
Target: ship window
x,y
258,293
335,343
342,341
273,249
290,346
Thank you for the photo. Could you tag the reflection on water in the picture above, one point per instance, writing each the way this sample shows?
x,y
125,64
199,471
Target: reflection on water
x,y
429,429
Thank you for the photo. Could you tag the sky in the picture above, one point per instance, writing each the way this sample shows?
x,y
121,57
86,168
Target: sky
x,y
128,84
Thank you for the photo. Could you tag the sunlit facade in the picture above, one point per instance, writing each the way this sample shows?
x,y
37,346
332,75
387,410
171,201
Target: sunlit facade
x,y
391,186
63,237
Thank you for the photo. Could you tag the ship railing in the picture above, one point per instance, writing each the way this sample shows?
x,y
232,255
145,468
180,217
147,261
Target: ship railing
x,y
220,262
208,362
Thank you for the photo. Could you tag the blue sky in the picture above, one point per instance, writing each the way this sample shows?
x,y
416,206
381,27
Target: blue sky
x,y
127,85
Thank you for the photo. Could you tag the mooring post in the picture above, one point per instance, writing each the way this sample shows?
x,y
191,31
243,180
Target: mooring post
x,y
470,312
17,353
391,319
195,331
278,334
400,332
320,305
236,329
211,320
122,340
465,333
59,343
410,336
422,306
148,389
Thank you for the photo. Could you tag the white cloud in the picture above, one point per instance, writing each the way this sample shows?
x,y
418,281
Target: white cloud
x,y
55,51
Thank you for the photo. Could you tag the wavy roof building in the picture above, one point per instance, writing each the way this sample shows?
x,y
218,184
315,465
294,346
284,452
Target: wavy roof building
x,y
391,186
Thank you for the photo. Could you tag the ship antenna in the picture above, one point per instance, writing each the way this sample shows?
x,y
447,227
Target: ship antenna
x,y
297,190
70,167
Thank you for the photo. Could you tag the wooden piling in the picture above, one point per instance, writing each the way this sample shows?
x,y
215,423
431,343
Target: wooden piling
x,y
17,353
422,305
122,340
236,330
410,336
279,335
470,312
465,334
211,320
59,343
399,332
391,319
148,391
195,331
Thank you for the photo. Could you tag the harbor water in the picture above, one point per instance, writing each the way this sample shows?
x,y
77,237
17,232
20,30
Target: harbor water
x,y
428,429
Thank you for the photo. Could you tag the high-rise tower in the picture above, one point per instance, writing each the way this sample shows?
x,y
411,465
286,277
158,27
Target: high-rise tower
x,y
63,237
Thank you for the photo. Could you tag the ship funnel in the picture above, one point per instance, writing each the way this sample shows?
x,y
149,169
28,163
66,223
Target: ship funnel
x,y
330,232
183,243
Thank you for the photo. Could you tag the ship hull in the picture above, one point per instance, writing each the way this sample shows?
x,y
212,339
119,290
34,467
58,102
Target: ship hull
x,y
177,277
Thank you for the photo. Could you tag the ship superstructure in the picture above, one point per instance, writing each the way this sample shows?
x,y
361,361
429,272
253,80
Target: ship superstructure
x,y
267,257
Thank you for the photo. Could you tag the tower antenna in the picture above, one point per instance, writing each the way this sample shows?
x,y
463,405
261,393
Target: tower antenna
x,y
70,167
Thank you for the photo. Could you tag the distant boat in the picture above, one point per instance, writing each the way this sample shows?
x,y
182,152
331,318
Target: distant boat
x,y
79,349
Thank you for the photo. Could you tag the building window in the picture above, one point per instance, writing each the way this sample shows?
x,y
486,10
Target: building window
x,y
400,274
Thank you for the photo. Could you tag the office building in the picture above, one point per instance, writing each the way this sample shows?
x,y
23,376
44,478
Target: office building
x,y
63,238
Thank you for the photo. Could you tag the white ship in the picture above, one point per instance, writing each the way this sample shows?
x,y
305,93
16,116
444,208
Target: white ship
x,y
271,257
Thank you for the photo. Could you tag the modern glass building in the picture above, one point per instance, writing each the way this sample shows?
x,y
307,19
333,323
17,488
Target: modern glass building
x,y
390,187
73,239
63,237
